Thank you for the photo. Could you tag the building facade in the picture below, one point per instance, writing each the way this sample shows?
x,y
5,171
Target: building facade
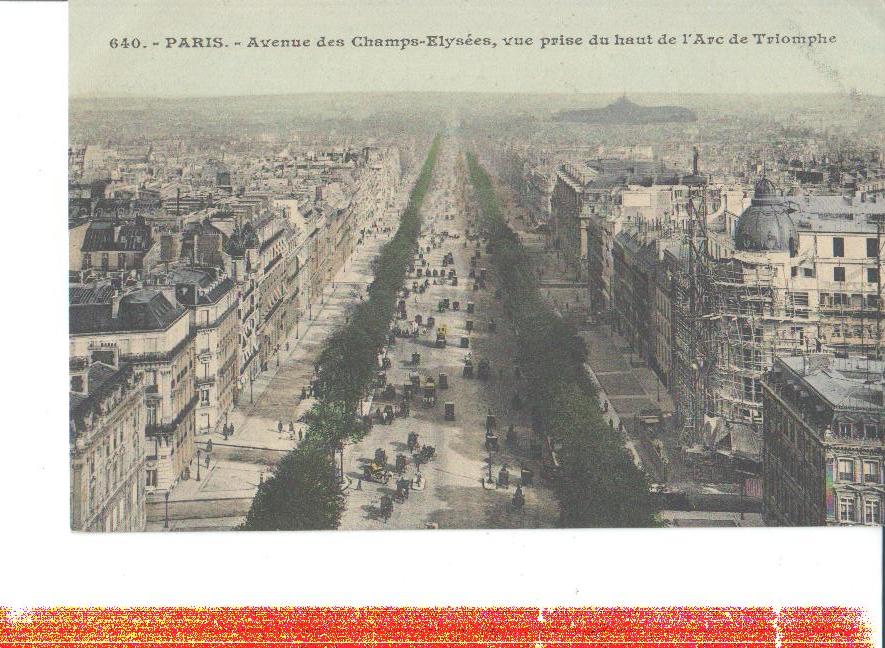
x,y
107,443
154,335
823,448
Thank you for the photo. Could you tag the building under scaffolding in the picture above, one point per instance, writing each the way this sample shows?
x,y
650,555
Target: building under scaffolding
x,y
792,275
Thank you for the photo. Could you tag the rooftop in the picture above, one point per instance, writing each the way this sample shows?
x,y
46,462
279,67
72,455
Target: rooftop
x,y
145,309
844,383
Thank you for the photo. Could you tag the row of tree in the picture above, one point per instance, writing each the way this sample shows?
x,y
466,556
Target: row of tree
x,y
303,493
598,484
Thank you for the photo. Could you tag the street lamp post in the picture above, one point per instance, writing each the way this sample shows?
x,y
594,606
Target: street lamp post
x,y
198,464
251,391
490,464
166,520
341,454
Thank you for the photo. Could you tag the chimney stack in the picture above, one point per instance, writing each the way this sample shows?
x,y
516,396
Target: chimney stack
x,y
115,304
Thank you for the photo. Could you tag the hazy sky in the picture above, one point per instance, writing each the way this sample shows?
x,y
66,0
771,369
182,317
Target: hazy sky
x,y
855,61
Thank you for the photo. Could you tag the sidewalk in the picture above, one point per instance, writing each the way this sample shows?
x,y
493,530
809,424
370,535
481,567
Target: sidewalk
x,y
276,393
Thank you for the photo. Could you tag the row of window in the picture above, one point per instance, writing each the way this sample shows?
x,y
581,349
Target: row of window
x,y
839,274
839,247
857,430
105,261
872,510
847,471
855,300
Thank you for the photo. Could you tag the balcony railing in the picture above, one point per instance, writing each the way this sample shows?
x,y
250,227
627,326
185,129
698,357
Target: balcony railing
x,y
159,356
169,428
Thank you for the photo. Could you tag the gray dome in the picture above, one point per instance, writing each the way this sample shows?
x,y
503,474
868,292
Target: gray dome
x,y
766,224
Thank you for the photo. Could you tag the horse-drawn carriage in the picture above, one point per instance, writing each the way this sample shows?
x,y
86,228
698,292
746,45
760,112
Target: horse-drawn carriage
x,y
429,393
374,472
482,371
423,454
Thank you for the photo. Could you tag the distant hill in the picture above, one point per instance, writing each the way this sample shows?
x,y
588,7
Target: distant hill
x,y
624,111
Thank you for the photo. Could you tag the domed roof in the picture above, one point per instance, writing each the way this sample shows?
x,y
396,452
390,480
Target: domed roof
x,y
766,224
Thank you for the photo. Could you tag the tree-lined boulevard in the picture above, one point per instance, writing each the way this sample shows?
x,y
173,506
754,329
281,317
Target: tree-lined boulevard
x,y
453,396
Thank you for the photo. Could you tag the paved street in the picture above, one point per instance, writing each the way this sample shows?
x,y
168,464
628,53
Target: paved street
x,y
456,492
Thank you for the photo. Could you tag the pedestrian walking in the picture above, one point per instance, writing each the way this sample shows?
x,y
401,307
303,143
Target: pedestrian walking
x,y
359,484
291,428
280,427
209,446
207,460
300,434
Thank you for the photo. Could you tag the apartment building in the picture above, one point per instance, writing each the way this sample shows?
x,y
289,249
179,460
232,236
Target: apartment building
x,y
107,424
823,449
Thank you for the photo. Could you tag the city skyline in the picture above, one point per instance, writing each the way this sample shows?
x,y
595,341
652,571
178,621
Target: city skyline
x,y
193,227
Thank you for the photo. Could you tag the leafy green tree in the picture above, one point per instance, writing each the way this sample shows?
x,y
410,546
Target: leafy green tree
x,y
601,487
302,494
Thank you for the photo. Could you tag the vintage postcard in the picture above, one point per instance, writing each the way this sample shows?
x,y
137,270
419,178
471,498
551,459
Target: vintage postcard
x,y
410,265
